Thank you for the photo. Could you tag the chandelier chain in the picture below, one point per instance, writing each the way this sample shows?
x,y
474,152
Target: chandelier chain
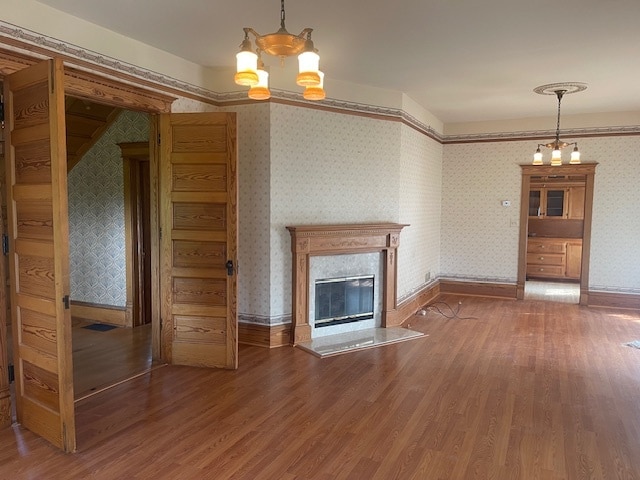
x,y
559,93
282,15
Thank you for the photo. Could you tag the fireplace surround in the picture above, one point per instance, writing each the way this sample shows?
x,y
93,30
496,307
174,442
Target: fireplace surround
x,y
313,240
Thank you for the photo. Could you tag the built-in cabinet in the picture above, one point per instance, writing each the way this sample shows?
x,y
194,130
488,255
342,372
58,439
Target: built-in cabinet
x,y
554,258
556,214
556,201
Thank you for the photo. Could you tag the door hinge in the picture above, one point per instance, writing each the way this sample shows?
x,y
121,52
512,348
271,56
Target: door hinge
x,y
158,139
5,244
12,374
65,301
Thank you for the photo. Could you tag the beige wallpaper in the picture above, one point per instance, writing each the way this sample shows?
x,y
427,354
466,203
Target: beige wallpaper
x,y
478,240
419,205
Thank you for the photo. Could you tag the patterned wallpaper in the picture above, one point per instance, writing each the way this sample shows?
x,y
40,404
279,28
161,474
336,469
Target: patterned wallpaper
x,y
254,204
615,235
478,240
420,207
96,215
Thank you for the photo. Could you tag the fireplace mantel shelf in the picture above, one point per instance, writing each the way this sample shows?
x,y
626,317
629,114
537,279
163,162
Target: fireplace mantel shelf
x,y
309,240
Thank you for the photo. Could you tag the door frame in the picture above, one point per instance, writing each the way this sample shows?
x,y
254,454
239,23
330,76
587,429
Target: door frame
x,y
137,199
115,91
528,171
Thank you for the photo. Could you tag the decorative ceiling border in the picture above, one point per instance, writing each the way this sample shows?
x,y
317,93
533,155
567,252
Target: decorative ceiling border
x,y
542,134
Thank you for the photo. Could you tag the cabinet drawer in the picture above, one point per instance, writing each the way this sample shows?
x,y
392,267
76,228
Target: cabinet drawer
x,y
545,259
545,271
538,246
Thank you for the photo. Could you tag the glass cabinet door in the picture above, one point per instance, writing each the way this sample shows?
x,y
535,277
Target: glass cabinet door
x,y
535,197
555,203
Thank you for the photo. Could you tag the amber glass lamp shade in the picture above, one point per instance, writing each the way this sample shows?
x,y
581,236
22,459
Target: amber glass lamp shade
x,y
315,92
260,91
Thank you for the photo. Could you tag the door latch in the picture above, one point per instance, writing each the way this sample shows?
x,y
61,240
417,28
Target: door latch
x,y
229,266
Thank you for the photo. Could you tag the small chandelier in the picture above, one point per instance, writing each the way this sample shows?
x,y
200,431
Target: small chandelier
x,y
559,90
250,69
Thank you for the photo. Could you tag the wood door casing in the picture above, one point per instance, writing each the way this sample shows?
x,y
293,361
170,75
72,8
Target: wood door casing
x,y
39,251
198,225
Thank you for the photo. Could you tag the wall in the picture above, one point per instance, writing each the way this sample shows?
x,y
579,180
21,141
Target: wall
x,y
478,240
420,206
96,215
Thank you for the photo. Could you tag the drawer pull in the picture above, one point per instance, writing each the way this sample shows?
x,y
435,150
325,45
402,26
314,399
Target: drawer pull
x,y
541,258
541,270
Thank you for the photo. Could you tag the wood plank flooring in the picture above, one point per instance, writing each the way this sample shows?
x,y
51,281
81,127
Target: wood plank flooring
x,y
509,390
101,359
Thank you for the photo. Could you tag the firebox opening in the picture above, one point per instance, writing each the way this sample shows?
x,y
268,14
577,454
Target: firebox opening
x,y
343,300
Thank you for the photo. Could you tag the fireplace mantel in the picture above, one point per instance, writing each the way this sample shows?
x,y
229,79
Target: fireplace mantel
x,y
310,240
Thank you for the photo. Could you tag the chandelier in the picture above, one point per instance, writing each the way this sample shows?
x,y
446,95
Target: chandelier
x,y
559,90
250,69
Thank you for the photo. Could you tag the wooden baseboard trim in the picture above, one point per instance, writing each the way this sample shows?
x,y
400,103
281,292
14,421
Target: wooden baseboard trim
x,y
629,301
268,336
100,313
409,306
478,289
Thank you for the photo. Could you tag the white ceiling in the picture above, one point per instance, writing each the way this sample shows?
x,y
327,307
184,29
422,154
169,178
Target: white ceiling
x,y
463,60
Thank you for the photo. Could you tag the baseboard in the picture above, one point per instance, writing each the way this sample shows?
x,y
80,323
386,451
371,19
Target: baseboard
x,y
478,289
409,306
100,313
260,335
614,300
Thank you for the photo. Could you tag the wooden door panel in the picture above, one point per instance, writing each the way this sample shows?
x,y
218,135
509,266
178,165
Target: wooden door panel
x,y
38,252
199,201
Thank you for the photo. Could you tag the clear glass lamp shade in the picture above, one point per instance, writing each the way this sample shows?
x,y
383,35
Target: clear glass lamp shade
x,y
315,92
556,157
260,91
247,66
308,67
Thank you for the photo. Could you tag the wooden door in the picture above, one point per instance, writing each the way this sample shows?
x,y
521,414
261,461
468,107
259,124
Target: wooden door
x,y
198,228
39,251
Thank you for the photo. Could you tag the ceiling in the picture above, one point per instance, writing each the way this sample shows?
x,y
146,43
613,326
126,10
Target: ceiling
x,y
463,60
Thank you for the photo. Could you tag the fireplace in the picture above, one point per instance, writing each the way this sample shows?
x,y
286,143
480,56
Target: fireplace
x,y
375,243
343,300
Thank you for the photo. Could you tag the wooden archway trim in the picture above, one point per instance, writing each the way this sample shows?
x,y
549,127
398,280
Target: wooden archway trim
x,y
94,87
309,240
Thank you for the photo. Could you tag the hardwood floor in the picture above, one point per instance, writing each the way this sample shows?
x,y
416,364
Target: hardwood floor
x,y
512,390
102,359
568,292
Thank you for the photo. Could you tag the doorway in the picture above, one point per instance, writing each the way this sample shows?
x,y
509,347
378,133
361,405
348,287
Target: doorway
x,y
555,232
109,244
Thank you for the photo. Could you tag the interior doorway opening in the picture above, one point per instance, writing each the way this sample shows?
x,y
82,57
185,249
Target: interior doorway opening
x,y
555,232
110,244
